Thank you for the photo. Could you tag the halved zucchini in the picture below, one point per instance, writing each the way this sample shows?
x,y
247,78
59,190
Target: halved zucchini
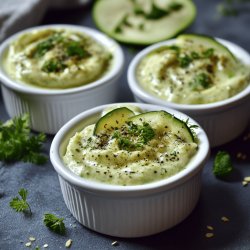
x,y
162,120
143,22
205,41
113,119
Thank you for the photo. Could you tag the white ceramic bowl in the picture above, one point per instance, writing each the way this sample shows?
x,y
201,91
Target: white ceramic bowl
x,y
223,120
49,109
128,211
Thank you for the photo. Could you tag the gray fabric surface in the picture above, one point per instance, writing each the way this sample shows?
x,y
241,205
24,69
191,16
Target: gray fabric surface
x,y
16,15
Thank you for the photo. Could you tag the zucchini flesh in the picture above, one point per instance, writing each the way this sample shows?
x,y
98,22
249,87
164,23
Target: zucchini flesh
x,y
147,28
113,119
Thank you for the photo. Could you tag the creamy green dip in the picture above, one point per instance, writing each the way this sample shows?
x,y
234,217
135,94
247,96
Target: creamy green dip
x,y
188,74
56,58
126,157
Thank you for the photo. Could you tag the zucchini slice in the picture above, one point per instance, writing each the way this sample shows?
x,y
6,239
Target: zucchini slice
x,y
143,22
204,41
113,119
162,120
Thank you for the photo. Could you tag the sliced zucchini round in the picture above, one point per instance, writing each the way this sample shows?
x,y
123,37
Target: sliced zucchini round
x,y
205,41
113,119
143,22
162,120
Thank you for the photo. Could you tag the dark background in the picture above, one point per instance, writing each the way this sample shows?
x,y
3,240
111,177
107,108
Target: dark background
x,y
218,197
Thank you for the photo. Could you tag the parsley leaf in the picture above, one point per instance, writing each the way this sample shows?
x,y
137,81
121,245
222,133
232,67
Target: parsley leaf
x,y
54,223
222,164
16,143
21,205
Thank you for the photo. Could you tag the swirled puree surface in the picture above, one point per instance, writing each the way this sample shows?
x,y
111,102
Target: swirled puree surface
x,y
56,58
188,73
135,153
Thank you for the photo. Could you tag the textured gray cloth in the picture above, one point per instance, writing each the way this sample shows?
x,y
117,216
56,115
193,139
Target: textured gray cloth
x,y
16,15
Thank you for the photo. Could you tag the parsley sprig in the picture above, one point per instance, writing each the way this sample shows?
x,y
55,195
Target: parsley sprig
x,y
17,143
222,166
20,204
54,223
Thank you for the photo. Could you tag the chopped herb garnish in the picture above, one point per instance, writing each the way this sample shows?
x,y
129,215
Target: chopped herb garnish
x,y
43,47
174,47
16,143
75,49
208,53
201,81
184,61
54,223
133,136
21,205
195,55
53,66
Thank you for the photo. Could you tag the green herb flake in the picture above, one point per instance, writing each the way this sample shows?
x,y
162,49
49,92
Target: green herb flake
x,y
195,55
16,143
134,136
175,48
21,204
43,47
76,49
222,166
184,61
208,53
54,223
53,66
201,81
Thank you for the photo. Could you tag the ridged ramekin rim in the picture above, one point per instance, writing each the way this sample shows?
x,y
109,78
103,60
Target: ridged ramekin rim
x,y
195,165
115,70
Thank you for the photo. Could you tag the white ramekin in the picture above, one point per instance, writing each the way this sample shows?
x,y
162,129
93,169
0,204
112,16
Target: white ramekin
x,y
223,120
49,109
128,211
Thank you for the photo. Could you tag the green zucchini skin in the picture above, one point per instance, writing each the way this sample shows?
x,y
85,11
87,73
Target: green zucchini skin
x,y
206,40
158,120
113,119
